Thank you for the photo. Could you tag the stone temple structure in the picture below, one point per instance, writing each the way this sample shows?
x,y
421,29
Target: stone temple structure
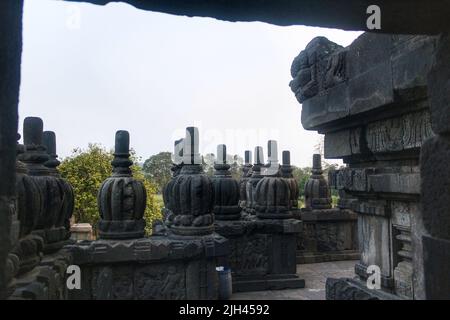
x,y
329,234
262,239
380,103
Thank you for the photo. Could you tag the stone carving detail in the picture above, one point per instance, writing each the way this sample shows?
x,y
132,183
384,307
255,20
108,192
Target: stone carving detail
x,y
121,198
286,173
317,191
252,257
192,193
319,67
246,173
226,189
273,196
165,281
397,134
52,196
255,177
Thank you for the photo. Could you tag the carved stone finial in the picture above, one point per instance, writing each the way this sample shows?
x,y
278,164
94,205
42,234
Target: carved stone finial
x,y
121,198
272,193
286,173
226,188
191,197
253,180
272,168
317,191
63,220
177,164
49,141
246,173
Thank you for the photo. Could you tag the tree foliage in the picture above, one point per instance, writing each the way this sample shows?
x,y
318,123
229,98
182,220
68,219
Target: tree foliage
x,y
157,169
87,169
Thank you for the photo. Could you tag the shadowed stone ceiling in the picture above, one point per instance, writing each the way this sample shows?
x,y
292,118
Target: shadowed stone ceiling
x,y
399,16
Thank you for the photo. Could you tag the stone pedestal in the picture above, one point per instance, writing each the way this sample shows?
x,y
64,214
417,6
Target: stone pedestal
x,y
262,253
327,235
158,267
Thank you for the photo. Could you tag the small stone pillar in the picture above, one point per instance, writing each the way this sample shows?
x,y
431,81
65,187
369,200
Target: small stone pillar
x,y
317,191
286,173
51,193
246,173
192,193
273,195
121,198
226,189
63,219
167,190
253,180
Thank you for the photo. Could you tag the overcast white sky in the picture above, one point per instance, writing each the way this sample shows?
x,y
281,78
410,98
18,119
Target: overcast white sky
x,y
91,70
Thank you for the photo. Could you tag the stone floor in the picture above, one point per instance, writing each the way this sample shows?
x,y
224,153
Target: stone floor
x,y
315,275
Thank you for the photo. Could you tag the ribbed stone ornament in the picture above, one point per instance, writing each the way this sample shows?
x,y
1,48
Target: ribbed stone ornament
x,y
226,189
35,157
177,164
63,219
273,196
246,173
317,190
286,173
28,210
253,180
192,194
121,198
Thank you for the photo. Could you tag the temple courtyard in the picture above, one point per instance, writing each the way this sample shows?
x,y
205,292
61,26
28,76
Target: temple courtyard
x,y
315,275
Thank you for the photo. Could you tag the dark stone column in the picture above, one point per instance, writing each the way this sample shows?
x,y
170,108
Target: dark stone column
x,y
10,58
121,198
286,173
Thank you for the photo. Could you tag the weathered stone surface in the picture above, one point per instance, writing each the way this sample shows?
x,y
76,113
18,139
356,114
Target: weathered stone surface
x,y
253,180
328,235
149,268
438,86
368,74
435,175
436,262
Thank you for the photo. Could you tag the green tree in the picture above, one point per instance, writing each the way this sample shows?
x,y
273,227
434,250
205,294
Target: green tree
x,y
302,175
157,169
87,169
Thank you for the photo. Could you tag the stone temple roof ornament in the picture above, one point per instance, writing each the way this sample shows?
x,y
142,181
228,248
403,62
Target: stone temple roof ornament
x,y
121,198
317,191
226,188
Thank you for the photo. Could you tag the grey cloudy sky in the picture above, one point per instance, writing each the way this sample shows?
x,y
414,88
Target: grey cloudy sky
x,y
91,70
